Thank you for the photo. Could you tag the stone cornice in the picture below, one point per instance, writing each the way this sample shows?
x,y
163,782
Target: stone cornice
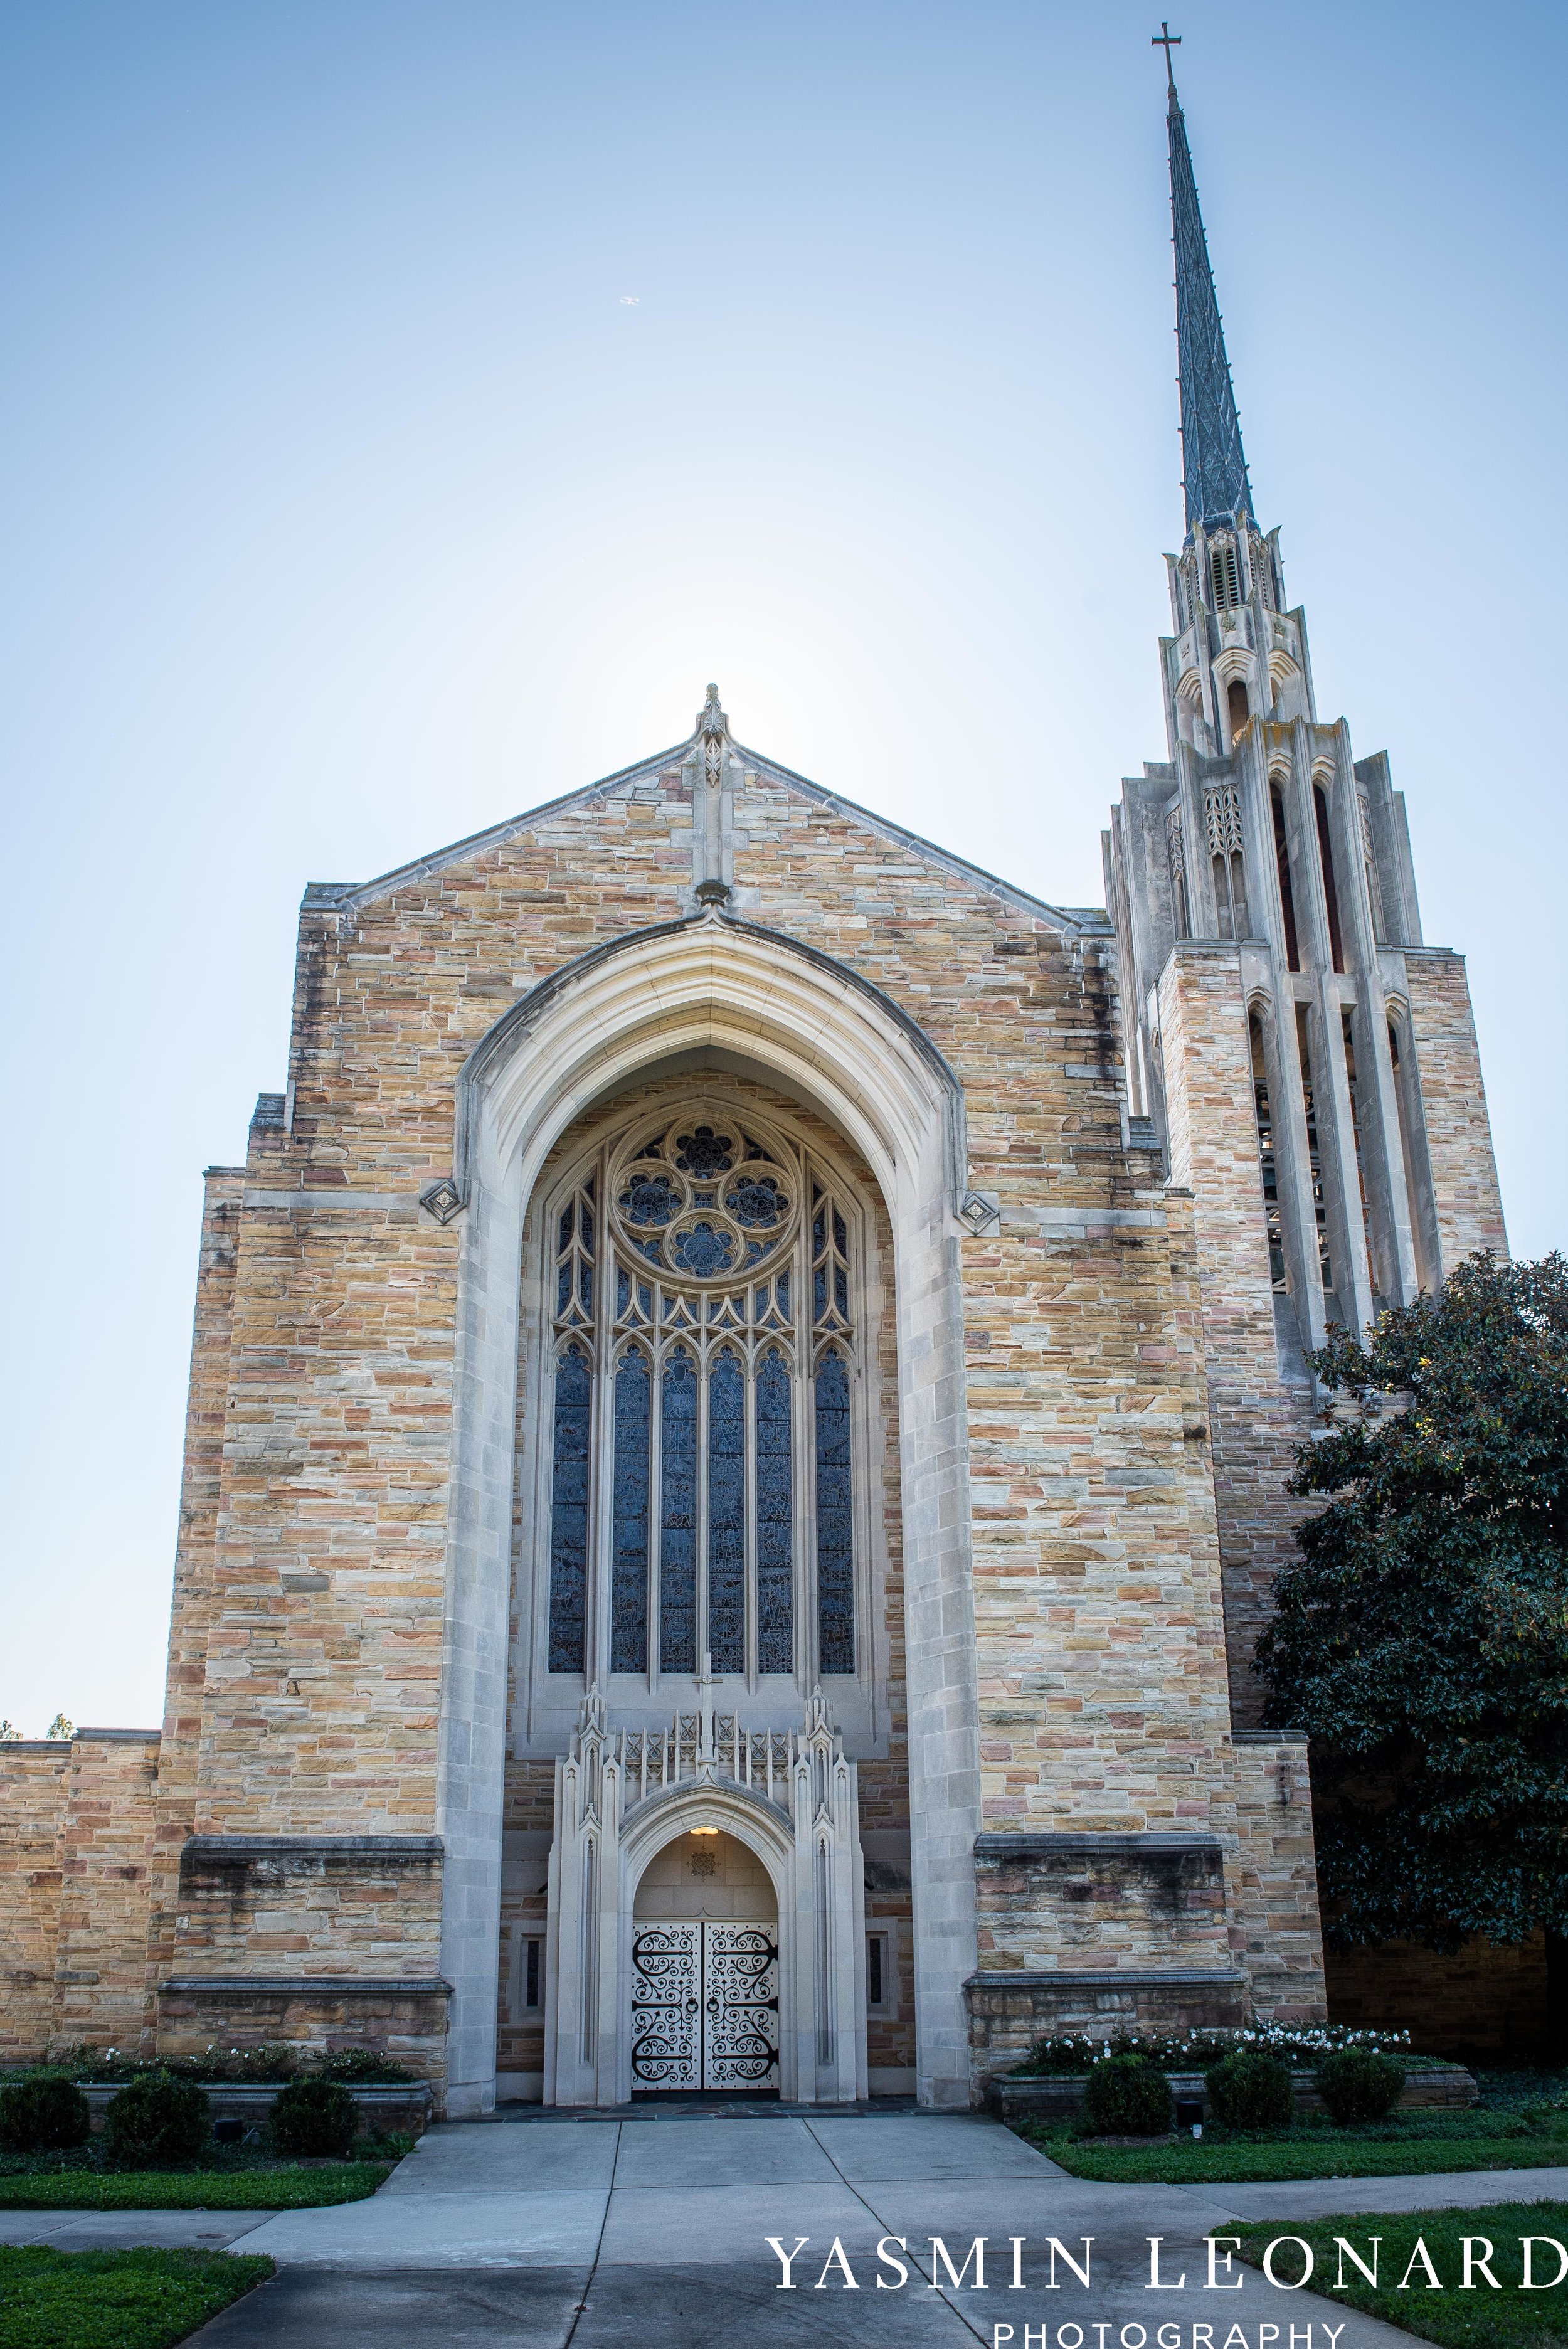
x,y
1030,1845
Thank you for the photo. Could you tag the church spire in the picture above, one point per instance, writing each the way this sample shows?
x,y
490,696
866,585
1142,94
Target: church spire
x,y
1214,466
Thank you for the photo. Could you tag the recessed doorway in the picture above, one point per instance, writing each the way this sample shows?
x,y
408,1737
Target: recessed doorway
x,y
704,1971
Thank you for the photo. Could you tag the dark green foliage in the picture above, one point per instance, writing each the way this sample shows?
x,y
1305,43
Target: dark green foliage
x,y
157,2119
1127,2096
43,2113
115,2300
363,2067
1358,2085
314,2117
1250,2090
1421,1639
241,2066
1072,2052
265,2186
1509,2317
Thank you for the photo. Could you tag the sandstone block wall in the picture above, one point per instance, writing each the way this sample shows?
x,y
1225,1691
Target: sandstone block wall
x,y
76,1847
1132,1903
106,1855
1453,1106
206,1414
1256,1418
1272,1880
32,1804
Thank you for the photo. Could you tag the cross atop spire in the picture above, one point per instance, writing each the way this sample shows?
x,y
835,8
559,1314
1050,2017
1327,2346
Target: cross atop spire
x,y
1213,465
1167,40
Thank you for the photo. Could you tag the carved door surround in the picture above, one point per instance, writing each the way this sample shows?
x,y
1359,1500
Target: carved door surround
x,y
792,1799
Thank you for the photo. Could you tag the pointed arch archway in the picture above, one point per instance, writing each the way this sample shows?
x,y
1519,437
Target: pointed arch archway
x,y
751,999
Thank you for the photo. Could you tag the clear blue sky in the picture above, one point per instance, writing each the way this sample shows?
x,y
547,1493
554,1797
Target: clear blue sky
x,y
351,501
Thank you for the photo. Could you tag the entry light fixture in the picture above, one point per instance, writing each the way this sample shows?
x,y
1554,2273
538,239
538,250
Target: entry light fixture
x,y
697,1831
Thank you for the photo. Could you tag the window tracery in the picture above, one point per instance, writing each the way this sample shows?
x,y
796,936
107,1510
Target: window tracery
x,y
704,1350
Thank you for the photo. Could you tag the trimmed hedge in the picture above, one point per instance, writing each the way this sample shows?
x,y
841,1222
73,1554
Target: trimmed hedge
x,y
44,2114
1251,2090
314,2117
156,2120
1358,2085
1127,2096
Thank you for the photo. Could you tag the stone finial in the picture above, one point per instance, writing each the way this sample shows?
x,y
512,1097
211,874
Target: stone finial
x,y
713,730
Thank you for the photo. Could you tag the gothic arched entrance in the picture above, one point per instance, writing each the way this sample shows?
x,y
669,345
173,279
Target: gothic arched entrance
x,y
705,1969
790,1800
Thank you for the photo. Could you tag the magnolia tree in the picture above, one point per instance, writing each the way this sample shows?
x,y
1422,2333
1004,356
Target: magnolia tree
x,y
1421,1640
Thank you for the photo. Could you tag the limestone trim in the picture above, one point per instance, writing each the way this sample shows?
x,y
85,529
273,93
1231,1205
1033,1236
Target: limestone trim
x,y
1157,1978
382,1850
757,1002
323,1197
303,1986
1054,1846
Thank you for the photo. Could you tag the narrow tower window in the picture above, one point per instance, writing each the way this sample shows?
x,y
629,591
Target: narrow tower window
x,y
1369,865
1268,1165
1236,699
1404,1084
1330,893
1313,1156
1263,573
1350,1033
1226,577
1222,816
1176,851
1286,897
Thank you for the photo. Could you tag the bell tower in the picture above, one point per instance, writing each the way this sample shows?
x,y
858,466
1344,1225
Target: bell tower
x,y
1307,1063
1262,860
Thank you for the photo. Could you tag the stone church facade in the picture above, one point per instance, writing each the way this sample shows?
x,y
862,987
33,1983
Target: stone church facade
x,y
739,1409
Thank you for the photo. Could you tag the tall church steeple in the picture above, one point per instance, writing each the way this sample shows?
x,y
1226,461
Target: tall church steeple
x,y
1265,869
1214,464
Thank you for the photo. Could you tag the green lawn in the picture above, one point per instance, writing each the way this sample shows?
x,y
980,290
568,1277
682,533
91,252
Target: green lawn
x,y
115,2300
284,2187
1315,2154
1481,2318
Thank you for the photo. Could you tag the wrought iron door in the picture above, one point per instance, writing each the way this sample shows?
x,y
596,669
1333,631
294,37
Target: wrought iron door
x,y
739,2007
666,2007
705,2007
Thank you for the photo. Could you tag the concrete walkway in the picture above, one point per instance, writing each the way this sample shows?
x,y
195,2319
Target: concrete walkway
x,y
608,2235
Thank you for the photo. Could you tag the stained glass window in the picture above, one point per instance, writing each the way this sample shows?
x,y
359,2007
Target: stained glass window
x,y
775,1519
569,1511
629,1564
835,1542
727,1516
677,1518
685,1280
